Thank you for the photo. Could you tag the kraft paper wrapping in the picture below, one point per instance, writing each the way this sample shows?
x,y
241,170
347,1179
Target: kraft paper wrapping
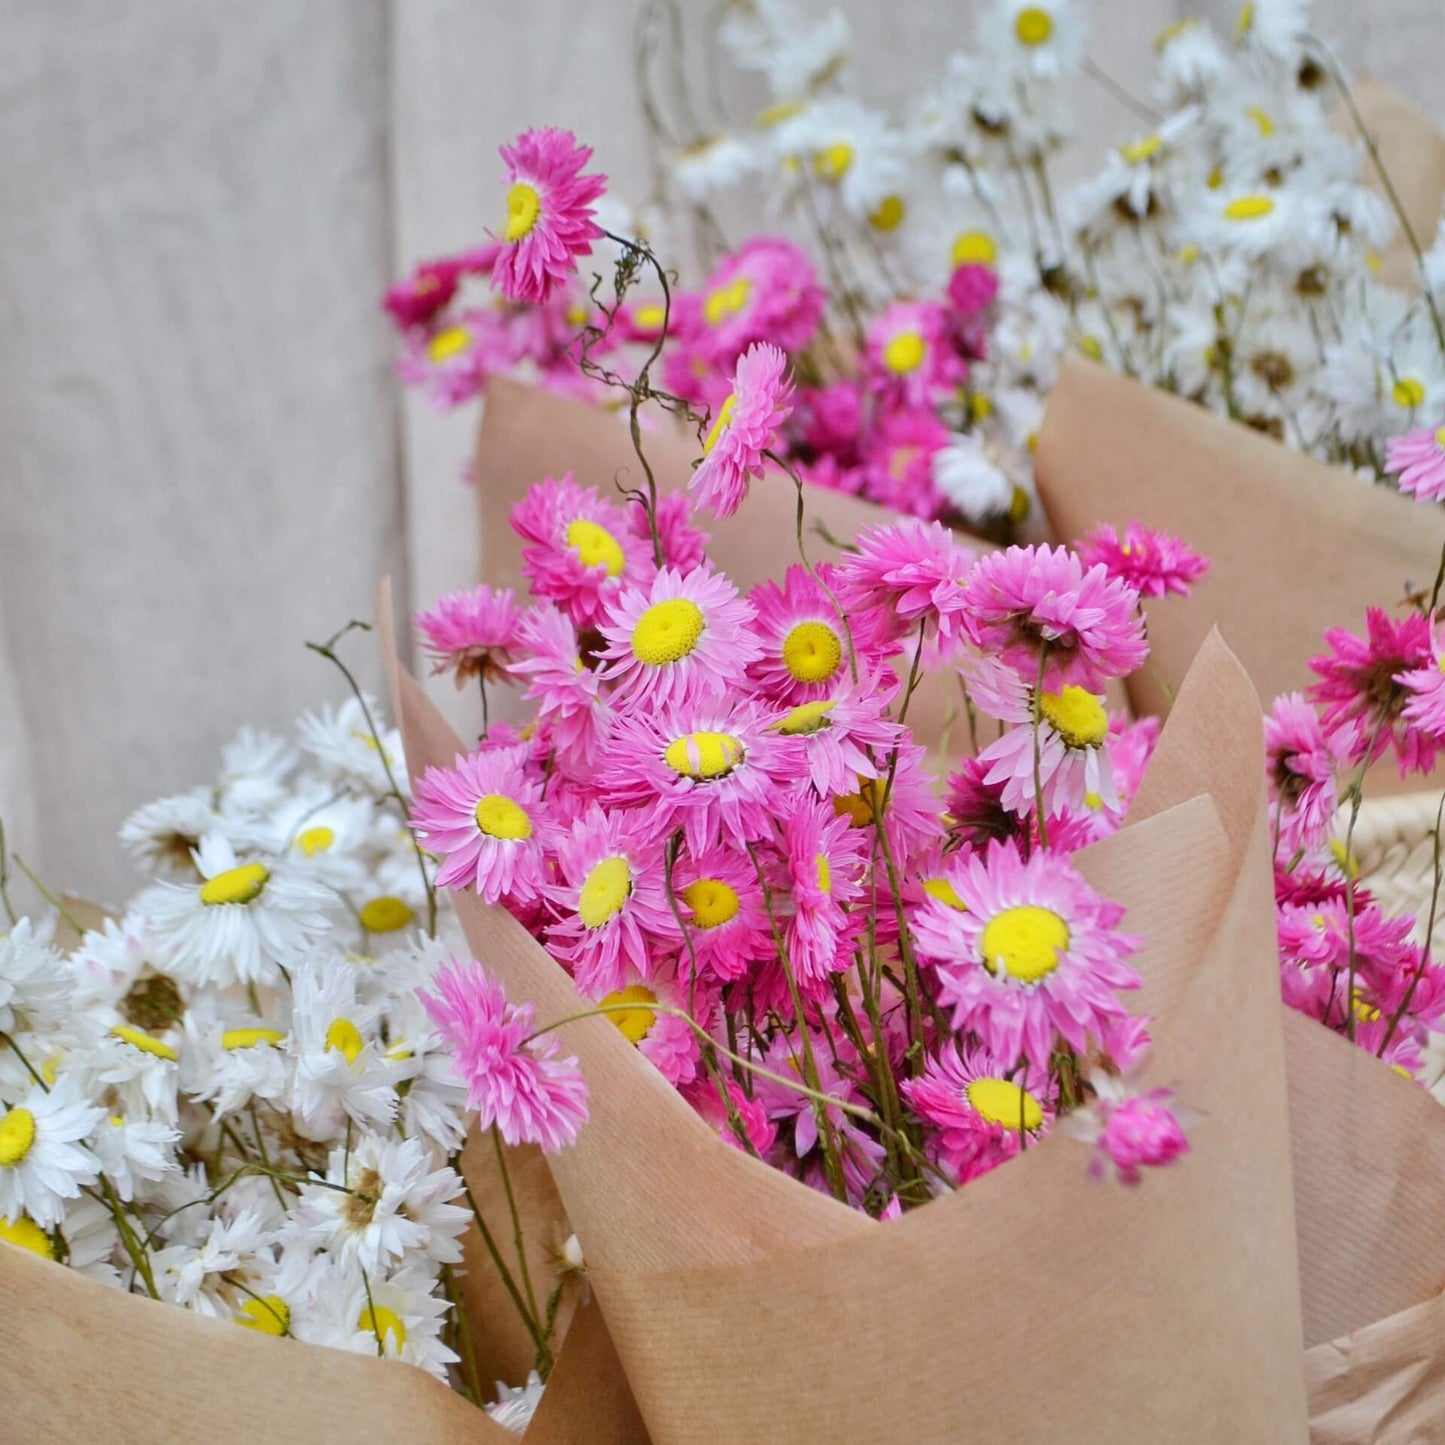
x,y
1034,1305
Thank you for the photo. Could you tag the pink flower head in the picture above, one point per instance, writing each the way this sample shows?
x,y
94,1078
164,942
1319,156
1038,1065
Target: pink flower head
x,y
899,461
1426,686
765,291
908,802
910,571
1418,459
549,213
451,357
832,419
1129,1131
669,1043
681,638
1152,563
910,354
472,633
825,858
745,427
721,903
426,291
804,643
972,289
751,1116
684,545
486,819
523,1088
1033,956
564,688
1025,601
1300,759
977,816
840,736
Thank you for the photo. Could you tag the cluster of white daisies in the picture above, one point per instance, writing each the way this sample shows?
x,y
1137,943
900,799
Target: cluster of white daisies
x,y
230,1096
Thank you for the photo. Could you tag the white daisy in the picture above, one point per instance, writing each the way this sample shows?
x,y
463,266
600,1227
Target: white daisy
x,y
1042,38
34,988
972,480
514,1409
794,52
1191,60
91,1242
715,165
203,1277
254,768
162,836
347,752
841,149
231,1059
133,1150
43,1162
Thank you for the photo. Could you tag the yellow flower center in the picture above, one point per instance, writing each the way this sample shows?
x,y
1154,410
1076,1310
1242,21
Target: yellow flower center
x,y
1173,32
635,1022
1034,26
235,885
1343,861
974,248
1002,1102
576,314
649,317
1263,121
384,1324
604,890
385,915
812,652
1374,261
268,1315
499,816
1407,393
252,1038
703,756
1245,22
1077,716
27,1235
316,840
858,807
720,423
904,353
889,215
980,406
833,163
713,902
944,892
17,1134
345,1038
1092,347
595,546
805,720
1024,942
1146,148
524,205
727,300
1249,208
1216,179
667,632
138,1038
449,342
1187,254
777,114
1093,802
825,874
1440,438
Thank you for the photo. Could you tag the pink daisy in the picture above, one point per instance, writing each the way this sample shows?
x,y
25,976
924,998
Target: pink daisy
x,y
667,1042
450,359
1129,1131
909,352
911,572
826,859
549,213
426,291
684,546
721,903
1418,459
831,419
911,816
745,427
899,462
804,644
976,814
765,291
1026,600
472,633
840,737
1033,956
972,289
1426,686
1300,760
1152,563
563,686
751,1115
680,638
530,1094
486,819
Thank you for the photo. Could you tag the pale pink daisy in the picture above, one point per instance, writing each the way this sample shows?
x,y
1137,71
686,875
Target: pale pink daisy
x,y
667,1042
1033,956
840,737
515,1082
1418,459
826,859
745,427
766,290
1300,763
911,572
1153,563
680,638
563,686
486,819
721,903
472,633
549,213
1129,1131
910,354
1426,686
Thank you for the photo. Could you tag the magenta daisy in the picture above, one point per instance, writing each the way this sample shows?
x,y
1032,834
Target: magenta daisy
x,y
804,644
721,903
523,1088
840,737
487,821
682,637
972,289
564,688
472,633
976,814
1300,761
1418,459
1426,686
684,545
745,427
451,358
1153,563
765,291
909,352
1129,1131
899,461
911,572
667,1042
426,291
912,818
549,213
1026,602
1033,956
826,859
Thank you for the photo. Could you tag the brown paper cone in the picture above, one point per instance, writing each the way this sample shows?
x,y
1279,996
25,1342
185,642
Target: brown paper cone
x,y
1033,1305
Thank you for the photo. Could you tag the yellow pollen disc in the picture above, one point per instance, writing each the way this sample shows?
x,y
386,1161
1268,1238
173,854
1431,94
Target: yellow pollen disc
x,y
595,546
858,807
889,215
1034,26
904,353
635,1023
605,889
17,1134
138,1038
268,1315
1020,505
50,1069
944,892
576,314
805,720
1024,942
980,406
704,756
1139,151
1407,393
649,317
1374,262
1440,438
498,816
974,248
385,1324
1249,208
1092,347
825,874
812,652
1246,20
27,1235
777,114
524,205
316,840
1173,32
1365,1011
449,342
1077,715
726,301
1002,1102
713,902
720,423
252,1038
1262,119
667,632
385,915
1093,802
833,163
1187,255
1343,861
235,885
345,1038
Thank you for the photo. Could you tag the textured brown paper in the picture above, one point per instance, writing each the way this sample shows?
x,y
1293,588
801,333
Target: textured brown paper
x,y
1034,1305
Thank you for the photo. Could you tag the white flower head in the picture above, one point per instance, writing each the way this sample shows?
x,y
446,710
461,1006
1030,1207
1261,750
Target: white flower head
x,y
347,752
132,1151
43,1162
35,993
